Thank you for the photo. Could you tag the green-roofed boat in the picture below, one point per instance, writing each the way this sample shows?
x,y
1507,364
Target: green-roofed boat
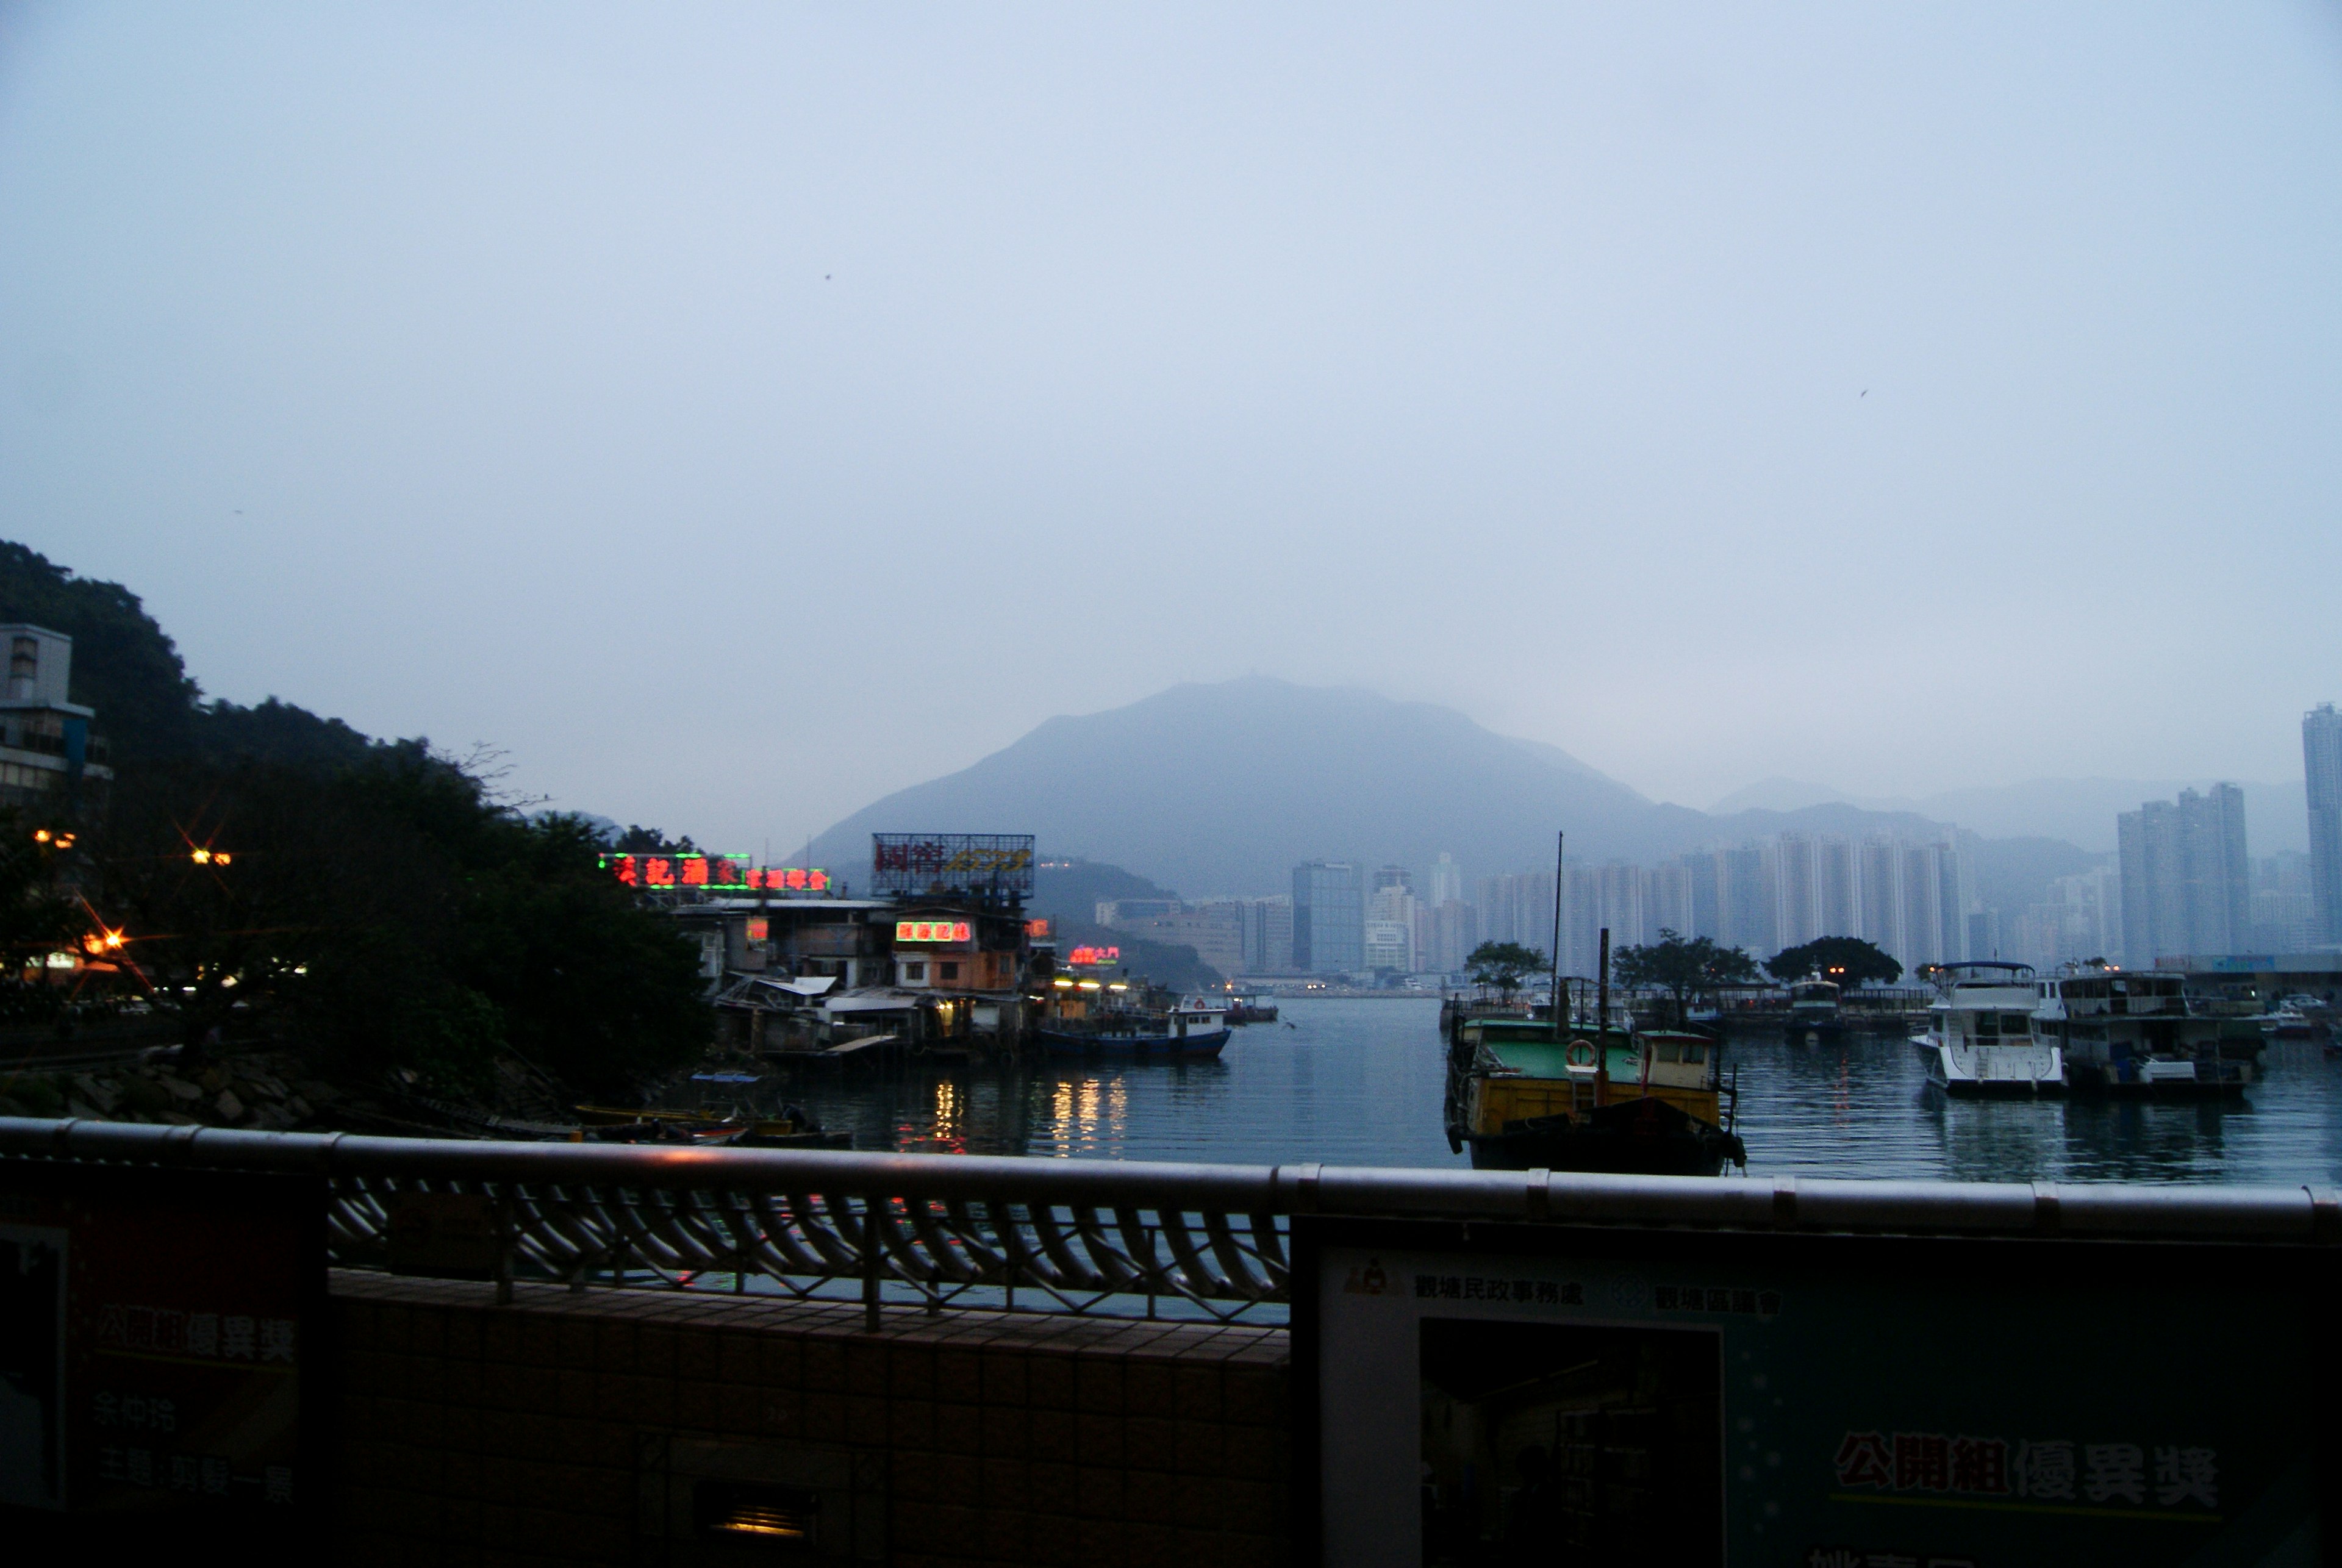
x,y
1590,1097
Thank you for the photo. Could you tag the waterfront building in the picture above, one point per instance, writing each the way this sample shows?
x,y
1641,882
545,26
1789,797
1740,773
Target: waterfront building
x,y
2321,760
51,766
1446,882
1389,944
1329,918
1399,876
1215,929
1268,936
2186,883
1122,913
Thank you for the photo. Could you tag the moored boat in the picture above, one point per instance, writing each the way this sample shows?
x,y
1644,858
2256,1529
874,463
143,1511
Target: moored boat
x,y
1260,1008
1522,1096
2129,1033
1194,1030
1814,1018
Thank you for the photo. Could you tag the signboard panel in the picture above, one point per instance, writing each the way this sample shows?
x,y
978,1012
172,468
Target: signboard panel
x,y
159,1362
1497,1394
918,861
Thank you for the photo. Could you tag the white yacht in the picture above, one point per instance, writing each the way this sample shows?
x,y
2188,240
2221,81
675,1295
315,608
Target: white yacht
x,y
1980,1039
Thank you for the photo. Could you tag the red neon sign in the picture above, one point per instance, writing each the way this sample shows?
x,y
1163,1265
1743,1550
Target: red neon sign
x,y
931,931
1094,955
1038,930
714,872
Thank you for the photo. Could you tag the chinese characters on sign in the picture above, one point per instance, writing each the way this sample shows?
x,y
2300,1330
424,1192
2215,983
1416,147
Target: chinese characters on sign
x,y
2110,1474
1479,1288
931,931
1716,1298
715,873
1094,955
209,1335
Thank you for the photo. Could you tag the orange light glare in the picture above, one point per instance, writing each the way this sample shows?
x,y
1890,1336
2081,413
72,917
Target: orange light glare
x,y
201,857
40,835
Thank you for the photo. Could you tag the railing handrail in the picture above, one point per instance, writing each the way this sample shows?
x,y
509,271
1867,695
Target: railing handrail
x,y
2305,1214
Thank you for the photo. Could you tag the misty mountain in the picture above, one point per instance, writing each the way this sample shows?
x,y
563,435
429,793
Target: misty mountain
x,y
1222,789
2079,810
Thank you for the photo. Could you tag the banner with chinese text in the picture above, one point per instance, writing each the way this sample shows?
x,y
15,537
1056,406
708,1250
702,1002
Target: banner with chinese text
x,y
162,1341
1548,1395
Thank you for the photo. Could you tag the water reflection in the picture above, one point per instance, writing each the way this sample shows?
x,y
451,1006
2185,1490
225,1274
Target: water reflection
x,y
1359,1082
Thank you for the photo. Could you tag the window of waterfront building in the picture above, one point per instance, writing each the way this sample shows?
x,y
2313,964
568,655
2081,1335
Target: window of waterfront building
x,y
948,971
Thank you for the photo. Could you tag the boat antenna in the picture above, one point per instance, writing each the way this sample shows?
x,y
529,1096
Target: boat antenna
x,y
1560,1014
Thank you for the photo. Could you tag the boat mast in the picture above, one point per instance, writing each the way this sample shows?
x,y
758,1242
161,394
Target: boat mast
x,y
1602,1023
1560,1017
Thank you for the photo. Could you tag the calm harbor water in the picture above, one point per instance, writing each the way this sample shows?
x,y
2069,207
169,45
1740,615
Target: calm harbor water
x,y
1359,1082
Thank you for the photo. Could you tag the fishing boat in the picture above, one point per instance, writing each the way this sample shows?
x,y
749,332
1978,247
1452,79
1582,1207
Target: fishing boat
x,y
2130,1033
1980,1040
1194,1030
1592,1098
1813,1016
1260,1008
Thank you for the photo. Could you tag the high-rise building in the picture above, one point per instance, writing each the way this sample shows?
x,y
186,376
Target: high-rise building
x,y
1446,934
1390,924
2321,761
2187,884
2285,917
1446,882
1268,936
1329,918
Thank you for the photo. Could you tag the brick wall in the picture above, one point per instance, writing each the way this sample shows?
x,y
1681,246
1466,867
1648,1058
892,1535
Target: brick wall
x,y
550,1430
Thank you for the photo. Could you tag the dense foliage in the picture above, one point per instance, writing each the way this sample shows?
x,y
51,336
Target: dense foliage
x,y
1683,967
1847,960
281,876
1504,964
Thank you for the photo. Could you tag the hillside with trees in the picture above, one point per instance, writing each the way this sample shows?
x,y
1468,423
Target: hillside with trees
x,y
280,879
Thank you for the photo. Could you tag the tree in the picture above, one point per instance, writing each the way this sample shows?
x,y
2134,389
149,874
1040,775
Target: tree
x,y
1682,968
1504,964
1847,960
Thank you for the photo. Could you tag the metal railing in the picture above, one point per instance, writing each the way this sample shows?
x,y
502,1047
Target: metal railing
x,y
1108,1237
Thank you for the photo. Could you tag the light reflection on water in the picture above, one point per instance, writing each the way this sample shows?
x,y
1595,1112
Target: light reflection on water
x,y
1359,1082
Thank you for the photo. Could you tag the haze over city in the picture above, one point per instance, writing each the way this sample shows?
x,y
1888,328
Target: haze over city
x,y
738,421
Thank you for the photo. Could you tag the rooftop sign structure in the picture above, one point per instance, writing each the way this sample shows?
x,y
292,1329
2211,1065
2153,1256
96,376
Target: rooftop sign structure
x,y
969,862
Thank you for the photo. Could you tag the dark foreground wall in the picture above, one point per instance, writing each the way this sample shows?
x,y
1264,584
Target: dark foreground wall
x,y
615,1426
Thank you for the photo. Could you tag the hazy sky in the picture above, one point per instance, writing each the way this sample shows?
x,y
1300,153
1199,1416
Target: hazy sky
x,y
737,413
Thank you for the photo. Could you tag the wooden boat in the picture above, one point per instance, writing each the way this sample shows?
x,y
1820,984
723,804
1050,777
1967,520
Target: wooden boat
x,y
651,1125
1634,1102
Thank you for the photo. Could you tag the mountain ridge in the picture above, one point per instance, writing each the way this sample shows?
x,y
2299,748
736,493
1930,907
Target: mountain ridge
x,y
1221,789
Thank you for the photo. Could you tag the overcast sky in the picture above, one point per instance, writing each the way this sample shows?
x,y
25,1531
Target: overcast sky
x,y
735,414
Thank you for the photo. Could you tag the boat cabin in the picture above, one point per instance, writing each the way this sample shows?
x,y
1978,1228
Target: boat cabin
x,y
1193,1017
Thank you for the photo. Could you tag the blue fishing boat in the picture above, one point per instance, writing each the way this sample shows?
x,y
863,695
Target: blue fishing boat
x,y
1190,1031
